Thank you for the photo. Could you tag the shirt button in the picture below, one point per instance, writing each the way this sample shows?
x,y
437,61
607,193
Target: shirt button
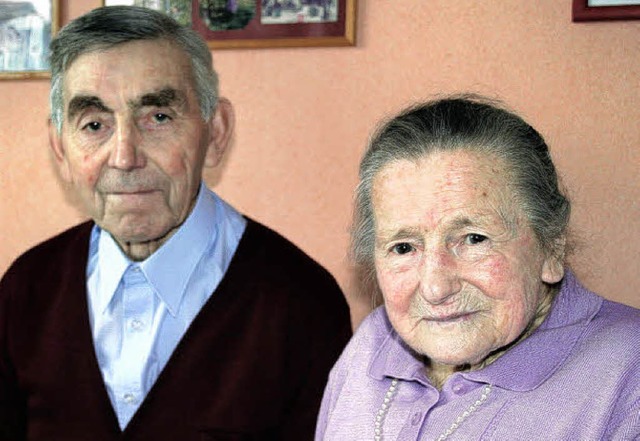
x,y
137,325
129,398
415,419
458,388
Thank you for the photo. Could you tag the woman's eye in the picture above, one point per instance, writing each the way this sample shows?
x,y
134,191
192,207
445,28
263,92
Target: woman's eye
x,y
402,248
474,239
93,126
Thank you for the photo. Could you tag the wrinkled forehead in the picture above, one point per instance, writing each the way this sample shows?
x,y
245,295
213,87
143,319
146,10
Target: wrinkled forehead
x,y
156,63
444,184
449,169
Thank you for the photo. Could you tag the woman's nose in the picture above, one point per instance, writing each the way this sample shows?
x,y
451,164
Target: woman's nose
x,y
439,276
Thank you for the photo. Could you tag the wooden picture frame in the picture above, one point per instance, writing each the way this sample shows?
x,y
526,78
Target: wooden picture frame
x,y
26,28
589,10
247,24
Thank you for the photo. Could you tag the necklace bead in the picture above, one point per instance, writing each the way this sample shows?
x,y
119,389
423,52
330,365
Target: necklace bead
x,y
391,392
384,408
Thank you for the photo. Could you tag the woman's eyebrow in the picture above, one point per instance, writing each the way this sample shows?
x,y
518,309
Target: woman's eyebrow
x,y
392,235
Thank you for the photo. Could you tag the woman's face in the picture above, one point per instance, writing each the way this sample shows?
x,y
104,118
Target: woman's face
x,y
459,267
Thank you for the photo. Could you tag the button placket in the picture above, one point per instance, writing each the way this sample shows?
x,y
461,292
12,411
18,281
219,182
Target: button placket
x,y
138,303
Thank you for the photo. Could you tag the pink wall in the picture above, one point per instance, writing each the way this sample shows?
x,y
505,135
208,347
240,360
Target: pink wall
x,y
304,116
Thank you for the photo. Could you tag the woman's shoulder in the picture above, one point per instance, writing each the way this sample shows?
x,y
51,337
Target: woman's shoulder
x,y
366,341
616,326
373,330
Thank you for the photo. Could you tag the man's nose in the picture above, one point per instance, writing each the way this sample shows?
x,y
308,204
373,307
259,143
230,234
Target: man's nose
x,y
126,153
439,276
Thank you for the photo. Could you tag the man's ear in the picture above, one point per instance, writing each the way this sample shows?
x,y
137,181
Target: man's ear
x,y
221,128
59,153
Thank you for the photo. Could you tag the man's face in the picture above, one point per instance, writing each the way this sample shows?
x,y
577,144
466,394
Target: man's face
x,y
460,270
133,143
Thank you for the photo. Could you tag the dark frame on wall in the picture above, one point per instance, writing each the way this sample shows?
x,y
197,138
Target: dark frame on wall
x,y
25,32
583,11
242,24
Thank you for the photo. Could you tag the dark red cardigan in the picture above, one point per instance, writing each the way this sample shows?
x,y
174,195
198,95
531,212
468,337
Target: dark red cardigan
x,y
252,366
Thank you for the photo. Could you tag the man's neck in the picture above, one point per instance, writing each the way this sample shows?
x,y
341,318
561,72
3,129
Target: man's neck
x,y
139,251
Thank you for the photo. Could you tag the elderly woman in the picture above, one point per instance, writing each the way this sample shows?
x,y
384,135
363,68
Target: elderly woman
x,y
484,332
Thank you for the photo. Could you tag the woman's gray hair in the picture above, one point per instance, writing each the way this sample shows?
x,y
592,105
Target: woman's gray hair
x,y
464,122
106,27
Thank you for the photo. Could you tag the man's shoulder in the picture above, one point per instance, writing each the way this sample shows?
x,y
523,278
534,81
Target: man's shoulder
x,y
270,274
262,243
267,264
50,253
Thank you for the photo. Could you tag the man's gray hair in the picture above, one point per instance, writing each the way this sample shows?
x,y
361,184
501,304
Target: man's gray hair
x,y
464,122
106,27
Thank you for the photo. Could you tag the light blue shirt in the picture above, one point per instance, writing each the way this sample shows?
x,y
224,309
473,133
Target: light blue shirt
x,y
139,311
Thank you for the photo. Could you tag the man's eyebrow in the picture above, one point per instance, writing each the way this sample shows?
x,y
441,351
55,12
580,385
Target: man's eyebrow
x,y
81,102
162,98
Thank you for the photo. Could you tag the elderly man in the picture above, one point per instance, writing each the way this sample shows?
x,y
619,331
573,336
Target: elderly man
x,y
170,315
485,334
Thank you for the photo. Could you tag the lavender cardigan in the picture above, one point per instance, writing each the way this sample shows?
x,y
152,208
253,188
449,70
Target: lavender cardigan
x,y
577,377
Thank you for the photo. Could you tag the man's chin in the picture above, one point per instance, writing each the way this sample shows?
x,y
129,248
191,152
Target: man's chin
x,y
134,235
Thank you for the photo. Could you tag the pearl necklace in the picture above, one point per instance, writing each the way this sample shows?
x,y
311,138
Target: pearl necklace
x,y
391,392
388,397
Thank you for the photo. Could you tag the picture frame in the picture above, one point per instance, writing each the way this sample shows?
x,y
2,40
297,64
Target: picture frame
x,y
26,28
598,10
250,24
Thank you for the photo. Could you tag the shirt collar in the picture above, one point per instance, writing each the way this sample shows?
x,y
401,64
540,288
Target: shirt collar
x,y
112,263
395,359
523,367
169,268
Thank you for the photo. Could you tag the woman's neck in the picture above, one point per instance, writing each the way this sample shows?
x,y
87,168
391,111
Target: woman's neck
x,y
439,373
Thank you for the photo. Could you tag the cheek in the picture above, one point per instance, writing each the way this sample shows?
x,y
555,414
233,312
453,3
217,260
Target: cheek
x,y
513,293
397,288
498,273
494,275
87,169
177,164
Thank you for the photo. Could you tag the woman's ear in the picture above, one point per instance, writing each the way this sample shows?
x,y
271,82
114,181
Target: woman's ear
x,y
221,128
553,266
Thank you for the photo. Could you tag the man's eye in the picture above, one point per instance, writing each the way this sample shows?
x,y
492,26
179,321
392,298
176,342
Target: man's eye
x,y
402,248
161,117
93,126
474,239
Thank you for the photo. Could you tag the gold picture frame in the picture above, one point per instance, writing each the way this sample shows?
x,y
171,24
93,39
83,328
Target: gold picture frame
x,y
262,23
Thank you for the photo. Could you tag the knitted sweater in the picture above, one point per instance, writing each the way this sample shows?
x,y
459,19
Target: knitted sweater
x,y
252,366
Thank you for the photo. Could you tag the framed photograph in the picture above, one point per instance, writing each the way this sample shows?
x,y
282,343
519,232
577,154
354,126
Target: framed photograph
x,y
233,24
26,28
591,10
